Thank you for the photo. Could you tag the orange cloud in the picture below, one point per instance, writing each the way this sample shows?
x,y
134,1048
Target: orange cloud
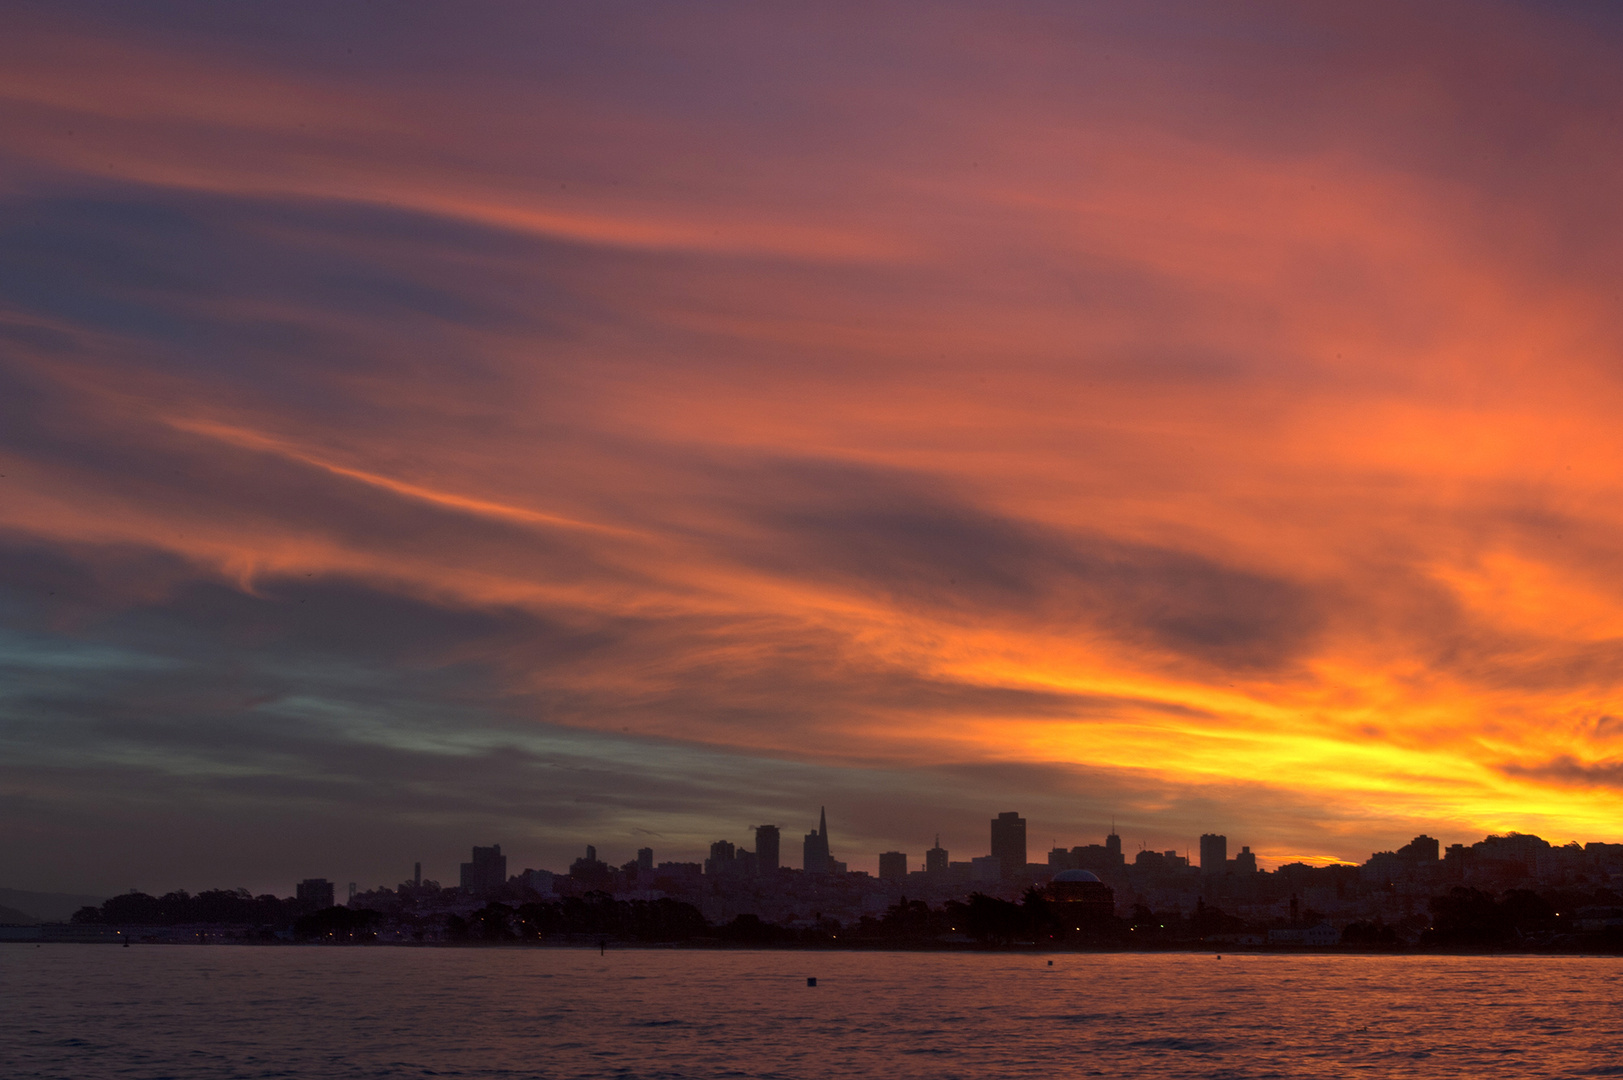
x,y
1150,427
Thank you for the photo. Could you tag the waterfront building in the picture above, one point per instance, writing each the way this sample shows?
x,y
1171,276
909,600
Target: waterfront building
x,y
1079,899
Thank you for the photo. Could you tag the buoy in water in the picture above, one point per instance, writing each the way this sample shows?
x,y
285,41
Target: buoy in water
x,y
811,980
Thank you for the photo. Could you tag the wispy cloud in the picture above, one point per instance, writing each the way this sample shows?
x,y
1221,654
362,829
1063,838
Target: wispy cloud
x,y
1206,413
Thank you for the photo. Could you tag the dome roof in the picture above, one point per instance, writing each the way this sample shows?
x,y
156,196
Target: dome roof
x,y
1075,876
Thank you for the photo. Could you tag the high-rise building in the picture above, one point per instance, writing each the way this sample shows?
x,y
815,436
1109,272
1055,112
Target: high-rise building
x,y
893,866
487,872
1113,847
417,874
935,860
314,893
1009,843
1246,861
645,860
720,861
1214,853
815,855
766,849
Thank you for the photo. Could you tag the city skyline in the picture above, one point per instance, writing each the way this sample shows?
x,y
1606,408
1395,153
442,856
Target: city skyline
x,y
488,867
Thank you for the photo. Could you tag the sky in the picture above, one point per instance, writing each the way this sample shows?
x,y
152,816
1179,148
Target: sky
x,y
549,424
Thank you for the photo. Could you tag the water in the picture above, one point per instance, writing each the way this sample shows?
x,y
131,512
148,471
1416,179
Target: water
x,y
86,1012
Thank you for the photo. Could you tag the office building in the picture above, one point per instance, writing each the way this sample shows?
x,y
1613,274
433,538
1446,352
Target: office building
x,y
1214,853
487,872
645,860
935,860
766,849
1009,843
892,866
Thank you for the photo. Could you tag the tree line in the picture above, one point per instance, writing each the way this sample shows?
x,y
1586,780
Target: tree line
x,y
1461,918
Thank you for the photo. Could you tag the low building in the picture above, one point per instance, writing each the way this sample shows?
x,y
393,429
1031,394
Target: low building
x,y
1079,899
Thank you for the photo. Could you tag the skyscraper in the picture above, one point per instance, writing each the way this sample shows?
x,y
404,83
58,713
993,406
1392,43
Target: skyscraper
x,y
893,866
935,860
487,871
766,849
1113,847
1009,843
1214,853
645,860
816,858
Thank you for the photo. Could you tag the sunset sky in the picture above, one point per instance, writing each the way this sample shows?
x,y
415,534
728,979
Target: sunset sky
x,y
428,425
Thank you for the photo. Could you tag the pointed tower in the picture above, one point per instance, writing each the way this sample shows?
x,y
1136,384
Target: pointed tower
x,y
816,859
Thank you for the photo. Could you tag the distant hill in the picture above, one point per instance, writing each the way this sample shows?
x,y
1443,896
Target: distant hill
x,y
12,915
44,906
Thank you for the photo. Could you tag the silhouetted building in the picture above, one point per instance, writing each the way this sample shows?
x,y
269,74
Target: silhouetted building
x,y
766,849
1162,861
1078,898
417,874
1098,857
721,858
314,893
1246,861
815,855
985,869
1422,849
678,876
591,872
935,860
892,866
488,870
1214,853
645,860
1009,842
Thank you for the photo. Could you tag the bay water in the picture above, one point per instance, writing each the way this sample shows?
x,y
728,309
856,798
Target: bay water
x,y
87,1012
